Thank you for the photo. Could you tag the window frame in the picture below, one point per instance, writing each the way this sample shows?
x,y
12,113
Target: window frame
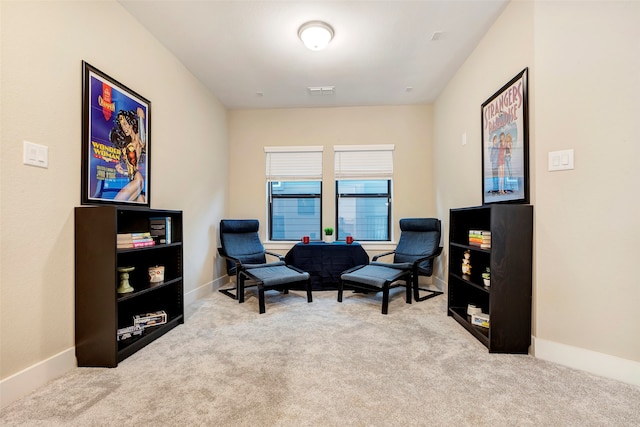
x,y
271,196
388,195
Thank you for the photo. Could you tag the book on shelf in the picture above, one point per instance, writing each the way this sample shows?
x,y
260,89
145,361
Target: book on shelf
x,y
136,244
131,236
480,238
160,229
134,240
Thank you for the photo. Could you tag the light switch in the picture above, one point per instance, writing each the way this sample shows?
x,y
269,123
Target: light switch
x,y
35,154
560,160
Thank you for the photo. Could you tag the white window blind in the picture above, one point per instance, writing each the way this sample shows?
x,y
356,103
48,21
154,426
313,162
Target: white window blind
x,y
294,163
364,161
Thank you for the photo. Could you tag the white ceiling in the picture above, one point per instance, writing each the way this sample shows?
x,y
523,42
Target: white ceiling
x,y
249,55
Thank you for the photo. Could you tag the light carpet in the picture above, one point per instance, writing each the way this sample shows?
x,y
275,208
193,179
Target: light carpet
x,y
325,364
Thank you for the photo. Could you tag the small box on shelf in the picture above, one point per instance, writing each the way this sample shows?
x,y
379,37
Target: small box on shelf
x,y
150,319
472,309
480,319
129,331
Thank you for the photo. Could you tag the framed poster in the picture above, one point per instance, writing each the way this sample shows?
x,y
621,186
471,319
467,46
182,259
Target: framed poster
x,y
505,144
116,142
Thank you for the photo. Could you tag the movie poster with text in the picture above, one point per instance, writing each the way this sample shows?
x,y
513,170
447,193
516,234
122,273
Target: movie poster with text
x,y
118,146
505,144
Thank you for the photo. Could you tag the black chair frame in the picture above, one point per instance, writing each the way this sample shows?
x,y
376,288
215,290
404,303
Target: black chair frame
x,y
250,274
239,267
401,278
415,273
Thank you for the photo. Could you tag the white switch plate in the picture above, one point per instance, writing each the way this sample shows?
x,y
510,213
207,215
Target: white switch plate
x,y
35,154
560,160
464,138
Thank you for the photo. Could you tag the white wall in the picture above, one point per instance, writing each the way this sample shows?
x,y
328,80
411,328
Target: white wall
x,y
588,220
584,64
408,127
43,44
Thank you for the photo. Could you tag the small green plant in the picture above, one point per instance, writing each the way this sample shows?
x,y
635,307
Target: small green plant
x,y
487,274
328,231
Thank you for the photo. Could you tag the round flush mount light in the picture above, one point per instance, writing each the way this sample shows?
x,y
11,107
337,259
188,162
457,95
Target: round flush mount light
x,y
315,35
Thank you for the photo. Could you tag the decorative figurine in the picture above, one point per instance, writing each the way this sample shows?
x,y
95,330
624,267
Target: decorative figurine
x,y
125,287
466,265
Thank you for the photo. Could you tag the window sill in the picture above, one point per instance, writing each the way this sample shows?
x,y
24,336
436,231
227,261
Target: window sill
x,y
280,246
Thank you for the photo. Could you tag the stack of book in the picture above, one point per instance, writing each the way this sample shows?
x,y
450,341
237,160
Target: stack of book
x,y
135,240
480,238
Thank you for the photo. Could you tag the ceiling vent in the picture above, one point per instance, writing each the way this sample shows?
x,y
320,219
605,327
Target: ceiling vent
x,y
322,90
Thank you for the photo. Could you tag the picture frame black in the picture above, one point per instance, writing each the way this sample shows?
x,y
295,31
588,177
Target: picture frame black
x,y
116,142
505,143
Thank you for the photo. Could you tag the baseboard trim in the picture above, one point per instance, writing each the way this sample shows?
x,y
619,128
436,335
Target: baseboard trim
x,y
204,290
604,365
30,379
439,283
24,382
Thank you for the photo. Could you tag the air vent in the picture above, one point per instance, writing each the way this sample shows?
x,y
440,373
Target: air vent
x,y
436,36
321,90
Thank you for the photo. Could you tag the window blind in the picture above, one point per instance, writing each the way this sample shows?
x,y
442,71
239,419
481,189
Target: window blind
x,y
363,161
294,163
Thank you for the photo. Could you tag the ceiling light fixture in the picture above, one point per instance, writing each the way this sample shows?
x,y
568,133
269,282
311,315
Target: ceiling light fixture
x,y
315,35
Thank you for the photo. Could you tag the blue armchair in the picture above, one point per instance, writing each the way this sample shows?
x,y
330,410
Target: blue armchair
x,y
246,259
413,257
419,245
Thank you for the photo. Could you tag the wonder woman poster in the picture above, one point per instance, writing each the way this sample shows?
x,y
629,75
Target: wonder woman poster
x,y
116,141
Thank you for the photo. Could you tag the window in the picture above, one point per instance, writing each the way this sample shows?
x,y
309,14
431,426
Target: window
x,y
363,191
294,191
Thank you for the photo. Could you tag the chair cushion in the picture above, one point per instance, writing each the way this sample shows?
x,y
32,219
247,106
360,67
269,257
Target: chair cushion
x,y
239,239
420,237
395,265
270,264
420,224
239,226
373,275
275,275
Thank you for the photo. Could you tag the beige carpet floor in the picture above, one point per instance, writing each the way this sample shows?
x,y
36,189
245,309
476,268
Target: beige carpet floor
x,y
325,364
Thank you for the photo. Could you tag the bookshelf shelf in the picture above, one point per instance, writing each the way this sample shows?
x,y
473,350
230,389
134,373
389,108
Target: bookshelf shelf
x,y
149,288
508,299
100,310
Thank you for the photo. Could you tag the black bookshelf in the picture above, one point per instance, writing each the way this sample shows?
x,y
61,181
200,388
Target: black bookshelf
x,y
508,299
100,310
